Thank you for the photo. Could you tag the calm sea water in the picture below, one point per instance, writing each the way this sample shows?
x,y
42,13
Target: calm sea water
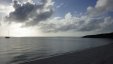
x,y
17,50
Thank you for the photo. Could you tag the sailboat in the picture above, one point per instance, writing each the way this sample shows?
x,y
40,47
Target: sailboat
x,y
7,36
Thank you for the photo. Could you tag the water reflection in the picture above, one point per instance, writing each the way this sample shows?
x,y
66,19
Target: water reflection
x,y
17,50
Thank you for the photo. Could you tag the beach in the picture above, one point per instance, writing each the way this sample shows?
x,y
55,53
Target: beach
x,y
98,55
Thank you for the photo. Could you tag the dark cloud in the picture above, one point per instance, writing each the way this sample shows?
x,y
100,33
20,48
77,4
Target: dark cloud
x,y
41,17
21,12
26,11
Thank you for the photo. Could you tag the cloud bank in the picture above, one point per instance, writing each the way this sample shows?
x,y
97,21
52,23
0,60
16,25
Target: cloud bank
x,y
92,21
82,24
30,14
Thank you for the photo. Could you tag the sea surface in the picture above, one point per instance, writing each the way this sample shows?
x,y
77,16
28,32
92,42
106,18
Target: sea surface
x,y
25,49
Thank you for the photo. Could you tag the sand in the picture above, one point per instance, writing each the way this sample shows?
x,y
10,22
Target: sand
x,y
99,55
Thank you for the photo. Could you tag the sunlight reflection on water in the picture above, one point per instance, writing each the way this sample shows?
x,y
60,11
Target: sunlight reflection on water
x,y
15,50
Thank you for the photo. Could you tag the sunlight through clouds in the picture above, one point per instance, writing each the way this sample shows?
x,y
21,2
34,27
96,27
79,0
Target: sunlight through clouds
x,y
15,30
39,17
6,9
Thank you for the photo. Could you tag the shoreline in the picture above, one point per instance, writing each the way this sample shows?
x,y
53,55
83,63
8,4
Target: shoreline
x,y
98,55
104,35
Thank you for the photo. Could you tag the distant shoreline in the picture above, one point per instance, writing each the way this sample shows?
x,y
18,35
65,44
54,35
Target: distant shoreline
x,y
105,35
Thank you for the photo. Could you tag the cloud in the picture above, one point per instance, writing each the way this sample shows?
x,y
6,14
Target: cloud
x,y
77,24
30,13
68,23
107,24
23,1
5,7
5,2
92,21
8,2
5,10
61,4
101,7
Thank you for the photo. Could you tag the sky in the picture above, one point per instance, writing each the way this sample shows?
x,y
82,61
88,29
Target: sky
x,y
76,18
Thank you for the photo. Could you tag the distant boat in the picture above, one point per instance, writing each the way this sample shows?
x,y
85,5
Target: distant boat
x,y
7,37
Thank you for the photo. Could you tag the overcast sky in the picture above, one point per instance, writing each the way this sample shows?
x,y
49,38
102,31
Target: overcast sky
x,y
55,17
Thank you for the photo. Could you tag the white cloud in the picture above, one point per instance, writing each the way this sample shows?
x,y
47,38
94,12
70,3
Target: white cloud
x,y
68,23
5,10
77,24
60,5
101,7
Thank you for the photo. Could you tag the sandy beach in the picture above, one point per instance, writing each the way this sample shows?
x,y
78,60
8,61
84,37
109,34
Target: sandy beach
x,y
99,55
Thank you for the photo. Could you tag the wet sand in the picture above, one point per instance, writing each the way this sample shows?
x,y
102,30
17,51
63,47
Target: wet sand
x,y
99,55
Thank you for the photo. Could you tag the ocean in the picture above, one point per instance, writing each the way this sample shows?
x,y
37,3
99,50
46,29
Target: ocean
x,y
17,50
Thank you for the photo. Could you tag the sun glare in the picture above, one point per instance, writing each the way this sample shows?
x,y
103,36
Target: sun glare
x,y
20,32
15,30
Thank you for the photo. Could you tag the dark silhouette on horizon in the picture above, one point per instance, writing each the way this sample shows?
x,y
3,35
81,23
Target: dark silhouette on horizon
x,y
7,37
104,35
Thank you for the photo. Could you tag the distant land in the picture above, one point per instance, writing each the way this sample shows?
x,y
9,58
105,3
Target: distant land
x,y
105,35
